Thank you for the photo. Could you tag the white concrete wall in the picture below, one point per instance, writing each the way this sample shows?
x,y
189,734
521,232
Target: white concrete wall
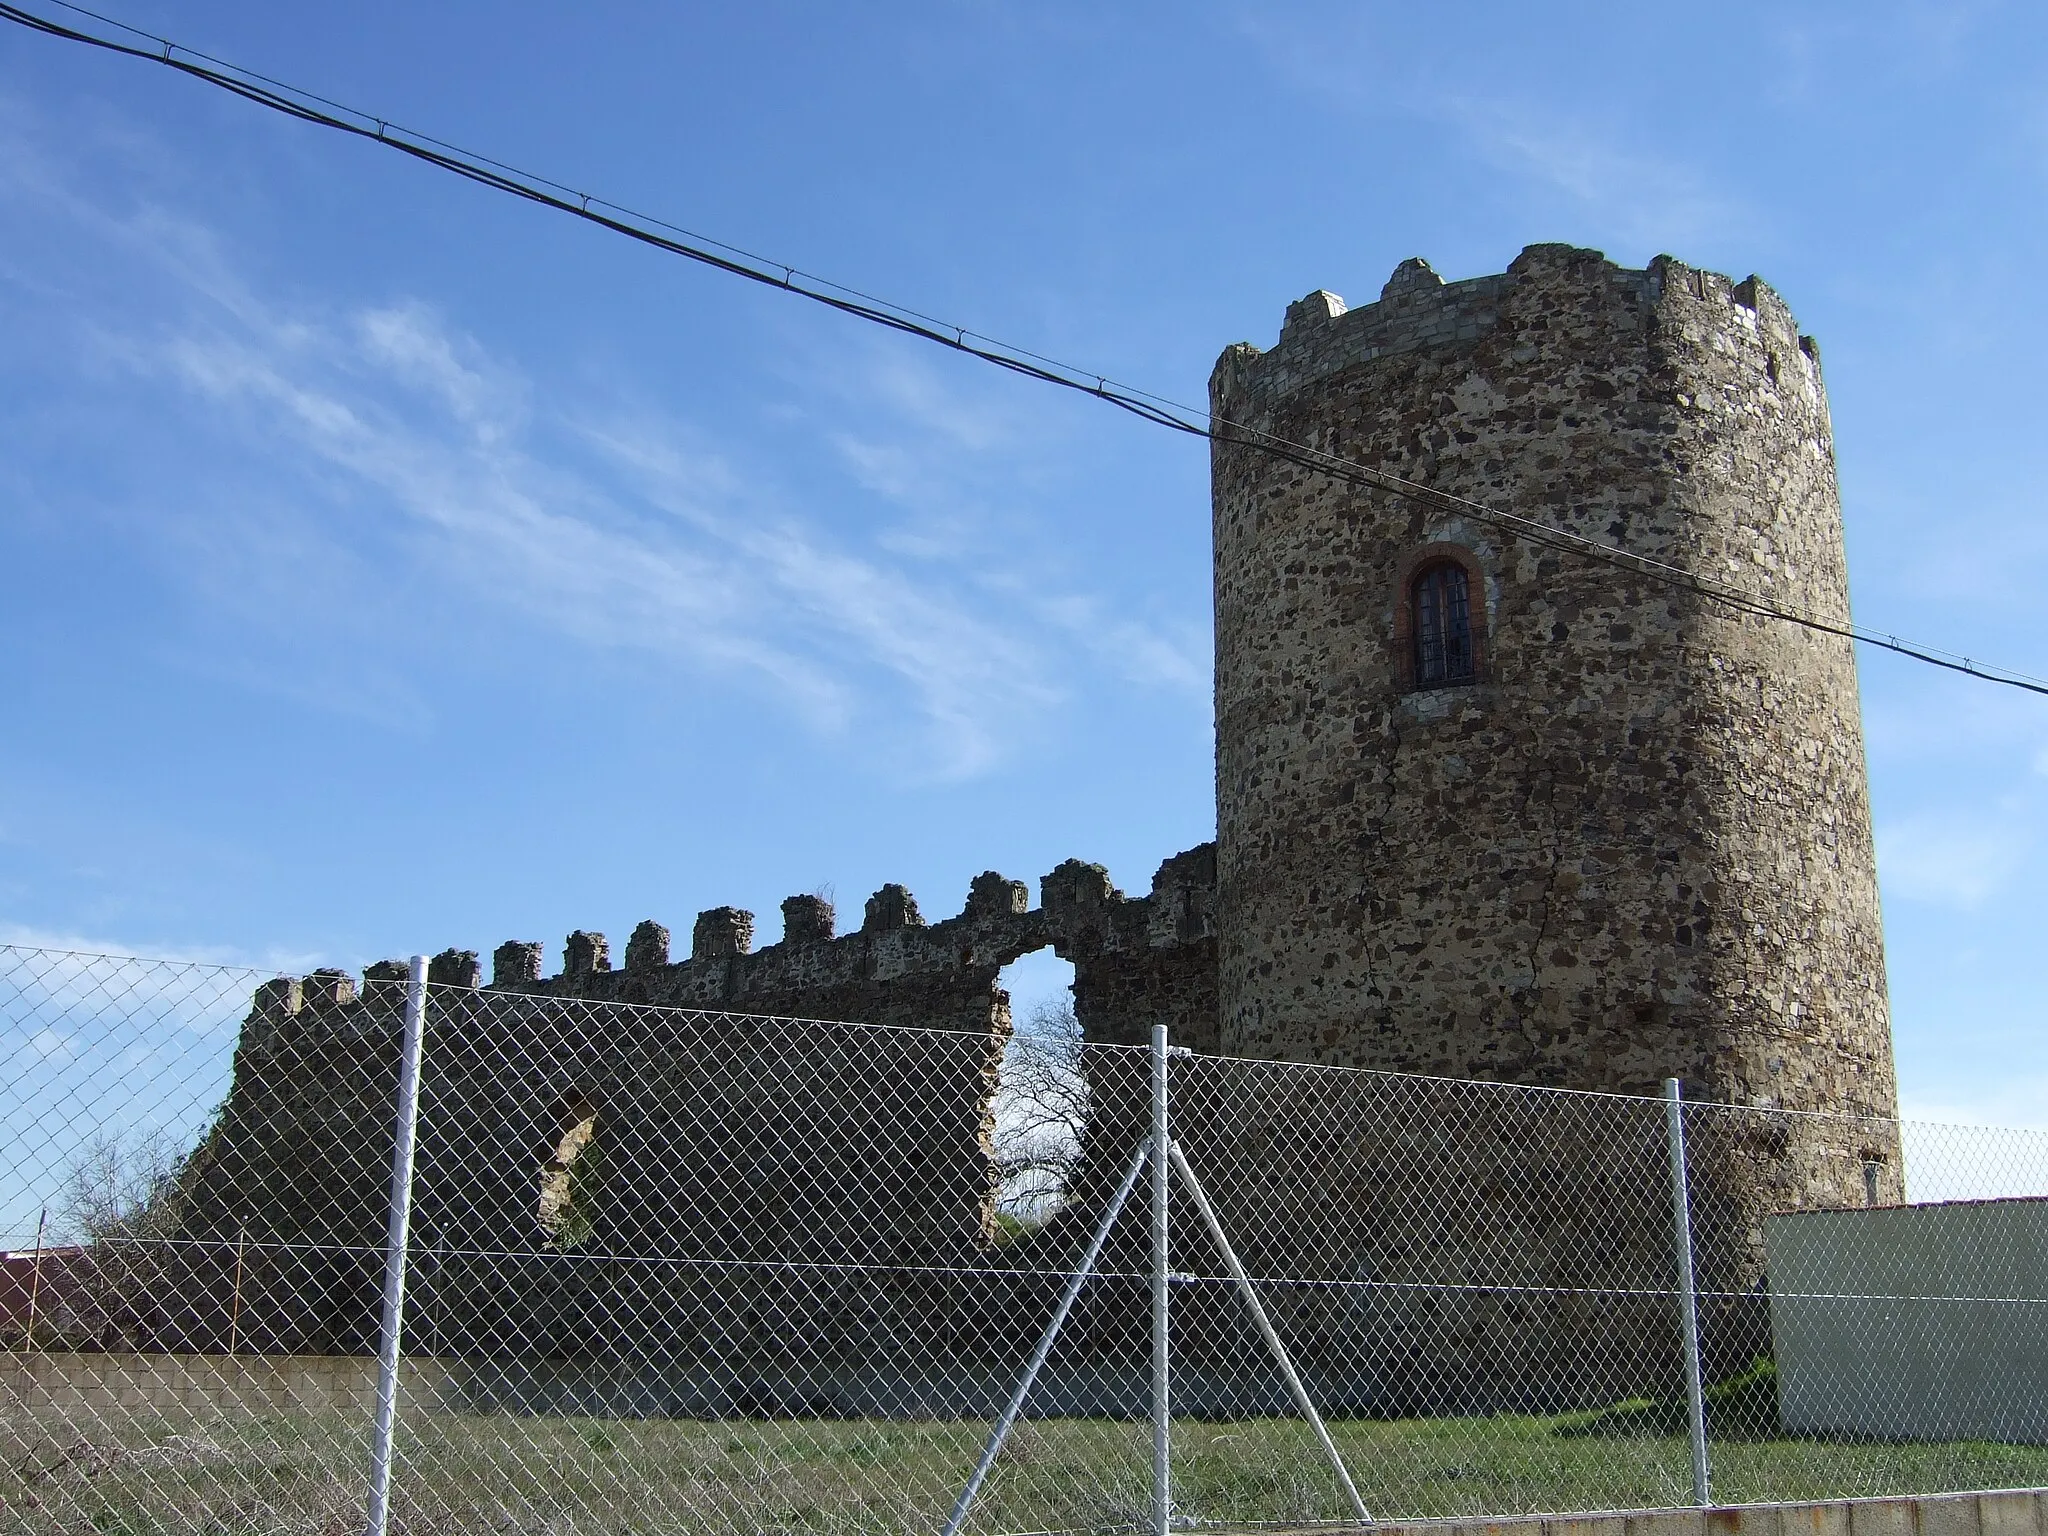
x,y
1921,1322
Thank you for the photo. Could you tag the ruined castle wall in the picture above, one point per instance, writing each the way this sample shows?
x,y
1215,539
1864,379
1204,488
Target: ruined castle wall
x,y
736,1124
1137,960
1635,845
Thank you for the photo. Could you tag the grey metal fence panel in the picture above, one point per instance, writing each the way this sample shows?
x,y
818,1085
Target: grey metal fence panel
x,y
145,1389
675,1270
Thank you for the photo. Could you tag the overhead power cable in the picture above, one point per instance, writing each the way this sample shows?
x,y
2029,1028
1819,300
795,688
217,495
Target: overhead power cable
x,y
1160,410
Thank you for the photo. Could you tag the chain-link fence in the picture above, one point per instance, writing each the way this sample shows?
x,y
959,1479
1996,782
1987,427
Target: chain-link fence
x,y
664,1270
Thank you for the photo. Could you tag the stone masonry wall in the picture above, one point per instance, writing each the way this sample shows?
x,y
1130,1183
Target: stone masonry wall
x,y
733,1130
1638,844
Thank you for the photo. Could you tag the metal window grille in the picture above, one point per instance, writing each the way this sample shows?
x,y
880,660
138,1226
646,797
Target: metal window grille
x,y
1442,612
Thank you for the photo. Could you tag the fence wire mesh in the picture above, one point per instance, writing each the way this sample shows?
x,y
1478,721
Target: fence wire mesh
x,y
682,1271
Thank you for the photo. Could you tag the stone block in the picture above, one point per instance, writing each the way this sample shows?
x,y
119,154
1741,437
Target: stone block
x,y
1413,276
1745,1520
994,895
891,907
1304,314
515,963
2009,1514
326,989
647,949
1585,1525
384,983
1883,1517
721,932
279,999
584,953
1667,1522
1075,887
455,968
808,920
1954,1514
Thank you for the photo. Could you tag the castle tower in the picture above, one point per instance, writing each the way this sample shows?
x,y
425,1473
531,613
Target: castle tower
x,y
1489,809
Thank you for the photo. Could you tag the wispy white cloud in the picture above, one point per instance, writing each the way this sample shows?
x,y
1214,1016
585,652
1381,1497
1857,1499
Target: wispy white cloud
x,y
535,536
379,448
975,680
372,457
420,352
1625,191
1551,148
1142,653
917,395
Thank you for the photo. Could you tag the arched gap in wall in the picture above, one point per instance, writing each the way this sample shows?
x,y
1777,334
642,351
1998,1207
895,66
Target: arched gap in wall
x,y
570,1174
1041,1102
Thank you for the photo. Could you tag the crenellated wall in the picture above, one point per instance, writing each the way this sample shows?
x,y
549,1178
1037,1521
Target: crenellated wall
x,y
1137,960
736,1123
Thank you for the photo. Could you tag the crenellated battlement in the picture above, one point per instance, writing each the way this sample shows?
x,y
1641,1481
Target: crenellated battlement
x,y
896,967
909,1115
1417,311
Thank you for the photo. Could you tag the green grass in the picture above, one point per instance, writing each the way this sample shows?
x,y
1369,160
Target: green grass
x,y
1743,1407
565,1476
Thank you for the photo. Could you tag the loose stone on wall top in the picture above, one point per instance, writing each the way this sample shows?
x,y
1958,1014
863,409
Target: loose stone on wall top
x,y
891,907
647,949
516,962
455,968
585,953
994,895
808,920
721,932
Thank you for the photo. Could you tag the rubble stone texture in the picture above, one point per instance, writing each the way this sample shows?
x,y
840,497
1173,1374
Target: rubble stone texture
x,y
1638,846
731,1128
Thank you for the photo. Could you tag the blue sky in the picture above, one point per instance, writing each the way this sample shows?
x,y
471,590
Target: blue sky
x,y
390,565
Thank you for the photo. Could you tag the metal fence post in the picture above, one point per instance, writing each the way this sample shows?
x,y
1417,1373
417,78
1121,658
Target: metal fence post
x,y
1688,1296
405,1131
1162,1349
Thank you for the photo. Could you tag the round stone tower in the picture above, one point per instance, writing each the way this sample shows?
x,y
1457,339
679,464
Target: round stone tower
x,y
1488,809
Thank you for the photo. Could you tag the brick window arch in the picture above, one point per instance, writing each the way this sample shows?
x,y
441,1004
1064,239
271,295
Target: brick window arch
x,y
1440,620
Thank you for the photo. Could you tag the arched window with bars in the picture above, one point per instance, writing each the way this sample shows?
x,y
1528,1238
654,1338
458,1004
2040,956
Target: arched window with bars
x,y
1445,652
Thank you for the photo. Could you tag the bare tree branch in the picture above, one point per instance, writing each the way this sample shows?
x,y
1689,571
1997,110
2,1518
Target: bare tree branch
x,y
1041,1109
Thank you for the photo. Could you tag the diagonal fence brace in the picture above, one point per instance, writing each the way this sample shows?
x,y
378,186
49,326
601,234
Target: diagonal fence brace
x,y
1075,1281
1271,1335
